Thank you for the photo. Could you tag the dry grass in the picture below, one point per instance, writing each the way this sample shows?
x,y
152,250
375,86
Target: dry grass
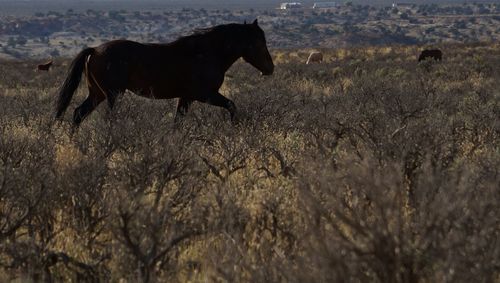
x,y
366,168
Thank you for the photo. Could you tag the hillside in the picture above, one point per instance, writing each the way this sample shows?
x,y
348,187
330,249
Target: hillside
x,y
44,34
17,7
368,167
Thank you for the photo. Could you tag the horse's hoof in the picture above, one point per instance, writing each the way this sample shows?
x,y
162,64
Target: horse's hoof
x,y
235,118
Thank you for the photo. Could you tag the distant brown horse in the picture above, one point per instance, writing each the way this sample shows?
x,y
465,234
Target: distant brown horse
x,y
191,68
435,54
44,67
315,57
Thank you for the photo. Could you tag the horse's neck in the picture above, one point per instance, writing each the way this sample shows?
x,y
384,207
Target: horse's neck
x,y
230,51
225,48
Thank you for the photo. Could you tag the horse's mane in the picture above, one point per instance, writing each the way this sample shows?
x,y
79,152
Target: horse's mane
x,y
219,28
227,29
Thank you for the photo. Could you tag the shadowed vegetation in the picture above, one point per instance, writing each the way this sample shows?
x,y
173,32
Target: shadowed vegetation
x,y
368,167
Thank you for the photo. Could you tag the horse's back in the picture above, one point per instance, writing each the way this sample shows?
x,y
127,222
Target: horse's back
x,y
122,49
151,70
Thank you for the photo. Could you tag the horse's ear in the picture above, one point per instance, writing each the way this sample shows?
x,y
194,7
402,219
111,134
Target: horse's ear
x,y
255,22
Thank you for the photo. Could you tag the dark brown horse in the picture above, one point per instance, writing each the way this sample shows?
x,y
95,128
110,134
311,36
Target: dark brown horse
x,y
435,54
191,68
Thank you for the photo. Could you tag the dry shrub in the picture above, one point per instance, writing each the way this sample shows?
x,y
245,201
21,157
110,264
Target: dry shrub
x,y
367,167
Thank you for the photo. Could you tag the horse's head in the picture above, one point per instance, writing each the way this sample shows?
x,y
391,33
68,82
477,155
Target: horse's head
x,y
255,50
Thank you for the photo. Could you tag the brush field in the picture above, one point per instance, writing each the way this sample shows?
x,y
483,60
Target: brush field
x,y
368,167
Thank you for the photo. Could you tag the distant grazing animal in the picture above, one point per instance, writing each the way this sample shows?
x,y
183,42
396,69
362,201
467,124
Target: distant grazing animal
x,y
435,54
191,68
315,57
44,67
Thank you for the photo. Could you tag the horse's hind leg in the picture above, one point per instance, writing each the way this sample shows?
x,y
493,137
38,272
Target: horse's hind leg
x,y
82,111
182,108
111,97
113,87
107,78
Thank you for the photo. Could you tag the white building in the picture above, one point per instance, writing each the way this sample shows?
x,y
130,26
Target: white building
x,y
407,5
324,5
290,5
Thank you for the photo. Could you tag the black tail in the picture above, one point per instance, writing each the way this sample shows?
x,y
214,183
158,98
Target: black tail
x,y
72,81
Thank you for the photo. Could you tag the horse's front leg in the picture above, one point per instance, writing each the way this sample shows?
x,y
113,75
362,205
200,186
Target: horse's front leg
x,y
218,99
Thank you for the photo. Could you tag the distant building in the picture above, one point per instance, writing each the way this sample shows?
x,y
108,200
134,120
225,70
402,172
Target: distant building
x,y
290,5
324,5
407,5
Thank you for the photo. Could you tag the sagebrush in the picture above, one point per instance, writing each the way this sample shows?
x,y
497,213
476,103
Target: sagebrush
x,y
367,167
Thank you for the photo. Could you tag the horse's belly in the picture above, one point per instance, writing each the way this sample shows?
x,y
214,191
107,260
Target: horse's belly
x,y
173,83
155,91
151,92
162,85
